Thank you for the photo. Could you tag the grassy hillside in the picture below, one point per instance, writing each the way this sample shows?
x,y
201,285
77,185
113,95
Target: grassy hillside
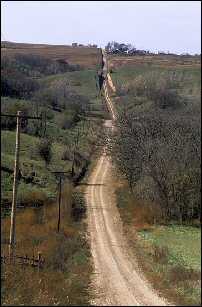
x,y
72,110
63,145
124,75
88,57
116,61
82,83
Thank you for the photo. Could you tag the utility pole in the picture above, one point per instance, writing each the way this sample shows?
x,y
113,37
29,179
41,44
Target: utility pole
x,y
76,143
60,183
74,153
16,179
59,202
15,187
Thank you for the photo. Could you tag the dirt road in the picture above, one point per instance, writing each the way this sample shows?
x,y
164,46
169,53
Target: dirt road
x,y
117,280
111,83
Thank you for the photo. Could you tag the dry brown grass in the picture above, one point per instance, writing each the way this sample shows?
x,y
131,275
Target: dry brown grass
x,y
116,61
65,277
141,215
89,57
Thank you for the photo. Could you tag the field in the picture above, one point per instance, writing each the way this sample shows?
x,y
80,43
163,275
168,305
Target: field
x,y
116,61
126,73
183,242
174,256
127,69
88,57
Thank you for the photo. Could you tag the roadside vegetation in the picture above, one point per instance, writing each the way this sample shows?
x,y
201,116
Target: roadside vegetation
x,y
65,278
71,110
169,254
156,147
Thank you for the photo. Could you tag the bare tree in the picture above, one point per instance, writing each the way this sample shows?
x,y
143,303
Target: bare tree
x,y
164,146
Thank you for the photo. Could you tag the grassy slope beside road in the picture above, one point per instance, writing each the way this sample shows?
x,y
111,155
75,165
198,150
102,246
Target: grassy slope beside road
x,y
169,254
64,280
63,140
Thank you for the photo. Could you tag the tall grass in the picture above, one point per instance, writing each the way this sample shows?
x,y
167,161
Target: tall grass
x,y
64,280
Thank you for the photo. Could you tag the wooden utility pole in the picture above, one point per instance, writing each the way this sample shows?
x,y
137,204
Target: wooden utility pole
x,y
16,178
15,187
60,183
74,153
59,202
76,143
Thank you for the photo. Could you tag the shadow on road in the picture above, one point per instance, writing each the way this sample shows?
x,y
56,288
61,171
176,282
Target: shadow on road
x,y
92,184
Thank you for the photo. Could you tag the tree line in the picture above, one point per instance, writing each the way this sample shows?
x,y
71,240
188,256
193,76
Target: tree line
x,y
129,49
157,148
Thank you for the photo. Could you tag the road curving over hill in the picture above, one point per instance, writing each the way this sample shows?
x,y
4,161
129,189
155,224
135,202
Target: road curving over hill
x,y
117,280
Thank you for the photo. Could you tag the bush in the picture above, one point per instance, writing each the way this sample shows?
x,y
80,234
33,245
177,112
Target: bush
x,y
45,150
35,198
69,119
78,206
66,154
47,113
165,98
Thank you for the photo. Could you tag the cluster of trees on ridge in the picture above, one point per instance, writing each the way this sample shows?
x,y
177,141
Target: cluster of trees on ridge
x,y
129,49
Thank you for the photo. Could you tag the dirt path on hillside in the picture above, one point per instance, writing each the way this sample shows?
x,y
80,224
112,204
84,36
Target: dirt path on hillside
x,y
117,280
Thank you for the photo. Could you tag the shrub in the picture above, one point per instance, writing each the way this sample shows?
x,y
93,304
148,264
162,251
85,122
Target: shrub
x,y
69,119
66,154
47,113
78,206
45,150
35,198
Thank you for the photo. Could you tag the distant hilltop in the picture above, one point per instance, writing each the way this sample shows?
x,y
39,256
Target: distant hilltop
x,y
89,57
13,45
